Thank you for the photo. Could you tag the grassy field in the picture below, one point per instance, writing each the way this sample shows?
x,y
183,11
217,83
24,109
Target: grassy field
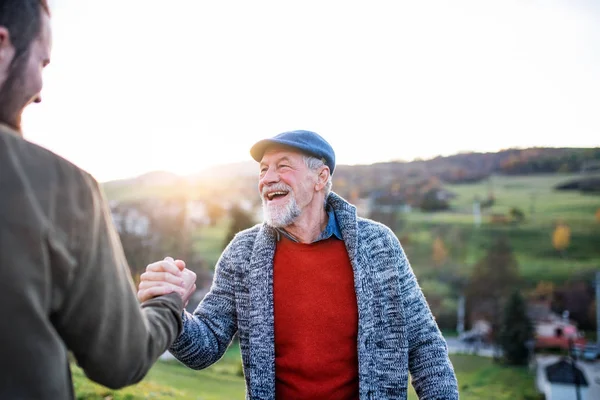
x,y
172,380
478,377
531,239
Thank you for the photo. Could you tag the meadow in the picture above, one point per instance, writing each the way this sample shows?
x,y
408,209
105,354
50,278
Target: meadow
x,y
478,378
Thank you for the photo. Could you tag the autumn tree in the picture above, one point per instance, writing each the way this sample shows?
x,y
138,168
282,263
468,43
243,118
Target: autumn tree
x,y
561,237
439,252
544,291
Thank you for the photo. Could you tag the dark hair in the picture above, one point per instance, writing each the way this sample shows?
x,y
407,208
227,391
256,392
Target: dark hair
x,y
23,19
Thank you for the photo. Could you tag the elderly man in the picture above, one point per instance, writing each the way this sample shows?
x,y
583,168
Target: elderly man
x,y
64,282
325,303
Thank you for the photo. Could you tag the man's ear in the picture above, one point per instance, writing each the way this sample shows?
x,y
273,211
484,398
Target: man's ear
x,y
322,178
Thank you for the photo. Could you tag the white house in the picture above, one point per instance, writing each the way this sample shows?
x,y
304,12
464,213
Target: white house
x,y
562,380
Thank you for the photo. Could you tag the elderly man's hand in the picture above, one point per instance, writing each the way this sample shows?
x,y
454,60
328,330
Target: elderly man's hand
x,y
164,277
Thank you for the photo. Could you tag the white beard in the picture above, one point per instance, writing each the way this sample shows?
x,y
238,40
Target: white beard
x,y
281,215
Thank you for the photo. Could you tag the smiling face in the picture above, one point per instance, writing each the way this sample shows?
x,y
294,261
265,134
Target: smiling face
x,y
286,185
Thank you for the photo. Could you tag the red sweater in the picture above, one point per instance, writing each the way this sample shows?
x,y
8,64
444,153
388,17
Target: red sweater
x,y
316,321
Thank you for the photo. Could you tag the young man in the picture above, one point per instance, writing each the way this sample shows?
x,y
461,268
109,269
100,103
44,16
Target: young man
x,y
64,282
325,303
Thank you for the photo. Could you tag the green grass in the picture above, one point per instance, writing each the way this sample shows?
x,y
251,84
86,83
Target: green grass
x,y
167,380
534,195
478,378
172,380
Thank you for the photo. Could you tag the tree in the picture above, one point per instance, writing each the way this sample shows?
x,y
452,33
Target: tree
x,y
492,280
516,331
432,201
561,238
240,220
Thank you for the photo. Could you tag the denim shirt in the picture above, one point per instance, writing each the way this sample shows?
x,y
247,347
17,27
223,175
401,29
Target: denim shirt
x,y
332,229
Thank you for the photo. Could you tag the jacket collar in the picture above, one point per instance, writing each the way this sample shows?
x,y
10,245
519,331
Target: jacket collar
x,y
7,129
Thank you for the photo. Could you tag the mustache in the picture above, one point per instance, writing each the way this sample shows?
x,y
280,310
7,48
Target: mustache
x,y
275,186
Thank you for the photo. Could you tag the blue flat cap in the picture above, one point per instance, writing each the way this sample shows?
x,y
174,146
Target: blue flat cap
x,y
306,141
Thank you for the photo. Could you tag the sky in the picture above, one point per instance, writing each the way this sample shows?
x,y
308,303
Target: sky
x,y
181,85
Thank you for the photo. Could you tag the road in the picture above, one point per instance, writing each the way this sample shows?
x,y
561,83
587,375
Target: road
x,y
456,346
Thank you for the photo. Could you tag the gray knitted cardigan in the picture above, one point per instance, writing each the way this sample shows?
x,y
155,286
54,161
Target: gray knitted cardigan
x,y
396,332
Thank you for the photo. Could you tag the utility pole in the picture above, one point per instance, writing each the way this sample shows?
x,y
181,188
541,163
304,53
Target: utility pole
x,y
460,326
575,371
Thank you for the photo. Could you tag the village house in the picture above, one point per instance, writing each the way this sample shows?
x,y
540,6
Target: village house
x,y
562,380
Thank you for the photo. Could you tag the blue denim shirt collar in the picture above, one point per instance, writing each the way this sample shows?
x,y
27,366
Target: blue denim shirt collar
x,y
332,228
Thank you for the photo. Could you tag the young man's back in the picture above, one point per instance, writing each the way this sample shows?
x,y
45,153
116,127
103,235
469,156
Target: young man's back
x,y
65,284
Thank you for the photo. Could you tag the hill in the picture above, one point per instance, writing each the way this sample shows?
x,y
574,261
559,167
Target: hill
x,y
459,168
442,245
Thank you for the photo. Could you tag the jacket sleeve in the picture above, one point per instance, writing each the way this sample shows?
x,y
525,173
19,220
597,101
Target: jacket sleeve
x,y
429,365
209,330
113,338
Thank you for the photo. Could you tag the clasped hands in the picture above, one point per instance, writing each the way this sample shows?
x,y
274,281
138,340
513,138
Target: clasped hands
x,y
164,277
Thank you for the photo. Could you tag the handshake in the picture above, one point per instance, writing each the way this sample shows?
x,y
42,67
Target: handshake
x,y
164,277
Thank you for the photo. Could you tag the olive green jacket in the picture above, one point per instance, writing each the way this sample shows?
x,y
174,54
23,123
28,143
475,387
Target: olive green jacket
x,y
65,284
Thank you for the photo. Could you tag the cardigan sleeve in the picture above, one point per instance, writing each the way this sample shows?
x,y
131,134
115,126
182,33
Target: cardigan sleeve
x,y
432,373
209,330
